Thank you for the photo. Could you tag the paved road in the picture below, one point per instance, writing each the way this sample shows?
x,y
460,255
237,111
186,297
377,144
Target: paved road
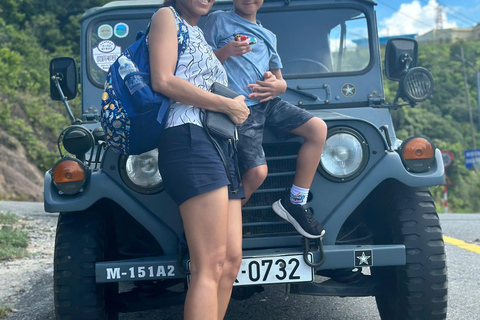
x,y
463,272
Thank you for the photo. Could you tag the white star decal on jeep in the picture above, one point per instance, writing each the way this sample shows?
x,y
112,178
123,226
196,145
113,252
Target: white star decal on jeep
x,y
363,258
348,90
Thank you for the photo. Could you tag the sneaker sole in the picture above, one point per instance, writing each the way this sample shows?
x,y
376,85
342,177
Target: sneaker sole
x,y
282,213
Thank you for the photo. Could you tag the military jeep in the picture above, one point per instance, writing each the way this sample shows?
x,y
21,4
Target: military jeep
x,y
120,245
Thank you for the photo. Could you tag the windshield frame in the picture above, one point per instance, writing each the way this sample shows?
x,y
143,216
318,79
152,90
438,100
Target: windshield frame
x,y
268,7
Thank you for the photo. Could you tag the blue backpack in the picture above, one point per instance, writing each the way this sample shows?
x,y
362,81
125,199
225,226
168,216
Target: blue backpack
x,y
130,121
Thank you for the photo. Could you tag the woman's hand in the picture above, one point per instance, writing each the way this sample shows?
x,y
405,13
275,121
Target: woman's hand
x,y
237,109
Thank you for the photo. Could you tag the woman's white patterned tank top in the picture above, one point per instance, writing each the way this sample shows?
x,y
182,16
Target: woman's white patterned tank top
x,y
198,65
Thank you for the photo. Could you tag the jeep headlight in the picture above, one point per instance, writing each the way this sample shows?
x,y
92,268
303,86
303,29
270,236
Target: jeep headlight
x,y
141,172
417,84
345,154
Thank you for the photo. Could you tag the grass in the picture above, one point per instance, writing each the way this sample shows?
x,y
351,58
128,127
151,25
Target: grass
x,y
13,244
8,218
13,240
4,311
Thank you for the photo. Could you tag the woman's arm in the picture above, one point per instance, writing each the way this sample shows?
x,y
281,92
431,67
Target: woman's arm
x,y
163,48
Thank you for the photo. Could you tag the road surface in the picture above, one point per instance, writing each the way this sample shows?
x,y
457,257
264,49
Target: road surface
x,y
462,239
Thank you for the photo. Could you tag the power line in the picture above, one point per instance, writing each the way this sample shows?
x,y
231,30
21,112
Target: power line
x,y
461,14
451,15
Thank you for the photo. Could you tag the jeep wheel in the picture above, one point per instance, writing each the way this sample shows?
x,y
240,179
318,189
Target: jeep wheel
x,y
79,243
417,290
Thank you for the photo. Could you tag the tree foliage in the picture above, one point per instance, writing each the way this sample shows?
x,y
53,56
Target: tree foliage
x,y
32,32
446,119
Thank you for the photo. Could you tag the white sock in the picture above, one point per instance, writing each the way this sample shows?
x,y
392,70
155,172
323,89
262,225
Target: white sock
x,y
298,195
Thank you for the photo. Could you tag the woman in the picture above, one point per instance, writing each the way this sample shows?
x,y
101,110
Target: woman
x,y
191,167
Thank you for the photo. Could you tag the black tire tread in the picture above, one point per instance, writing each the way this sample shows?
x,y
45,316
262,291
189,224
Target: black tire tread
x,y
79,244
422,282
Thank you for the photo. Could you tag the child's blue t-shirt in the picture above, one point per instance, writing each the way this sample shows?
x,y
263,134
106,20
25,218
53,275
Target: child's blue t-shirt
x,y
250,67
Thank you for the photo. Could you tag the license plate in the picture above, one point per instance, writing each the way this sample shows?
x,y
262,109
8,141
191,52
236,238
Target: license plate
x,y
273,269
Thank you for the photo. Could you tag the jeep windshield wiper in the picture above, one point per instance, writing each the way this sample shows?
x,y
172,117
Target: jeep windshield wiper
x,y
305,94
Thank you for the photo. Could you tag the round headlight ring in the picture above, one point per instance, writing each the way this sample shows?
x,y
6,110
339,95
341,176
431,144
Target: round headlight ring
x,y
417,84
340,151
146,181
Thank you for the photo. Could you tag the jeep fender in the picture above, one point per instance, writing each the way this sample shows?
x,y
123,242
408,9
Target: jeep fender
x,y
389,167
99,187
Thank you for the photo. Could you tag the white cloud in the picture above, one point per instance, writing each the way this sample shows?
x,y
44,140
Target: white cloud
x,y
335,44
414,18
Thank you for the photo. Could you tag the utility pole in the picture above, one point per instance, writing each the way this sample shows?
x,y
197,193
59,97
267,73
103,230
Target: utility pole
x,y
472,129
478,95
438,23
439,18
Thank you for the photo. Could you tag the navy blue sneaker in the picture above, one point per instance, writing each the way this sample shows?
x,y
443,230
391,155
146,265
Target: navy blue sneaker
x,y
300,216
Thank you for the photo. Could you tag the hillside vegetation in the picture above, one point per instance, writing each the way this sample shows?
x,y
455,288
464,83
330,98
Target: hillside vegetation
x,y
34,31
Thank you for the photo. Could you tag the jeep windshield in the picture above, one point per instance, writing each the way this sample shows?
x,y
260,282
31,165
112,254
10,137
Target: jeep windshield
x,y
320,42
311,42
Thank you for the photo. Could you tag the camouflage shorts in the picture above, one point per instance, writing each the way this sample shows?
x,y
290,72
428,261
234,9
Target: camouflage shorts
x,y
280,116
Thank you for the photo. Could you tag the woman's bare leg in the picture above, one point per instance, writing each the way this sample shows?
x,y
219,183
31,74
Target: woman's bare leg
x,y
234,256
205,220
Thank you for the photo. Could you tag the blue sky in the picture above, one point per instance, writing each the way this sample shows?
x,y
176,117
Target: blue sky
x,y
396,17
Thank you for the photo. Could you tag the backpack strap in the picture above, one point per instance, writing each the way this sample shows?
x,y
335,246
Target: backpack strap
x,y
182,32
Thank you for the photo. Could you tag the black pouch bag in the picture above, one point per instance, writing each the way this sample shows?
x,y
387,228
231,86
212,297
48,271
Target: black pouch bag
x,y
219,126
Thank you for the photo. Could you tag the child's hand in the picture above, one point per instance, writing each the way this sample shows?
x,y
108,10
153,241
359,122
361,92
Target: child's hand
x,y
267,89
232,49
237,48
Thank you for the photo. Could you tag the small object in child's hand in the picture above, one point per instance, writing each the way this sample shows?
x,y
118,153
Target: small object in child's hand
x,y
251,40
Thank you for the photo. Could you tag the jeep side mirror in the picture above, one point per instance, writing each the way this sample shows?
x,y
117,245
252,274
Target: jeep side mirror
x,y
64,82
63,75
400,55
415,84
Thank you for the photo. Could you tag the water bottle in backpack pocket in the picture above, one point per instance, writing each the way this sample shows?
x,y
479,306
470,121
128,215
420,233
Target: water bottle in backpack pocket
x,y
138,84
129,73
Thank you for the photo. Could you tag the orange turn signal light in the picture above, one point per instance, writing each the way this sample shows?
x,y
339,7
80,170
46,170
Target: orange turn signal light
x,y
69,176
68,171
417,148
417,153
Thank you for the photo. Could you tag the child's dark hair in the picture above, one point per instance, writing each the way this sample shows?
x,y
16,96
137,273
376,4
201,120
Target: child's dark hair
x,y
170,3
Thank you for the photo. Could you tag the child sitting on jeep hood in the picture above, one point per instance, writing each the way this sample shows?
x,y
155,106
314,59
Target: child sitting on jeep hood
x,y
253,69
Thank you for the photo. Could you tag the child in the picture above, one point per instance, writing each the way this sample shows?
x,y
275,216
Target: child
x,y
254,71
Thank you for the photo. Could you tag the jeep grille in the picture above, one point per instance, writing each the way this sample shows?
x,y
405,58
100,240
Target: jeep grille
x,y
259,220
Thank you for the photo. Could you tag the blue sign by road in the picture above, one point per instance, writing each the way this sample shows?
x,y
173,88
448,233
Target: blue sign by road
x,y
472,158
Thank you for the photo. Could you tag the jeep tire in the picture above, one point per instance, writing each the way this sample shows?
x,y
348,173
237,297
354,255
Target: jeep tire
x,y
79,244
417,290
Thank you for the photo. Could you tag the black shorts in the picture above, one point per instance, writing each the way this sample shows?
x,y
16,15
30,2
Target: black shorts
x,y
280,116
190,165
